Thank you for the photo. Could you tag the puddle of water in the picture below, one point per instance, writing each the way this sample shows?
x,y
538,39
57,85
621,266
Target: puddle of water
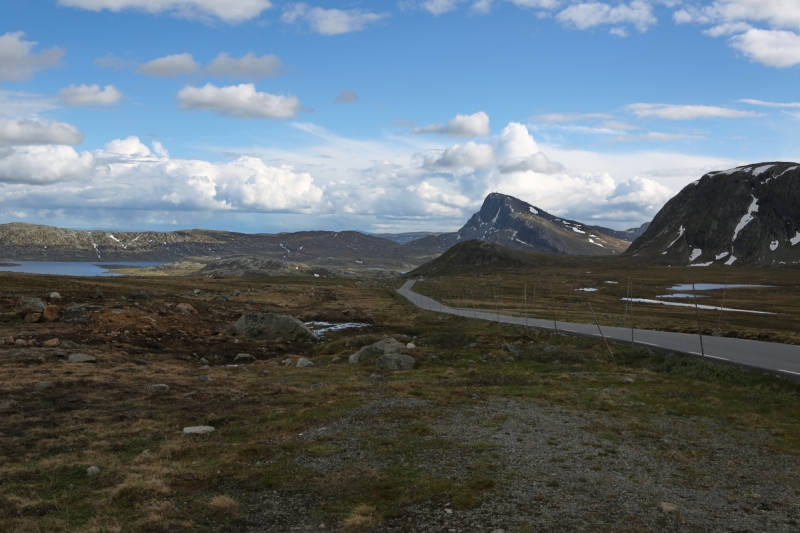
x,y
320,328
706,307
712,286
73,268
680,295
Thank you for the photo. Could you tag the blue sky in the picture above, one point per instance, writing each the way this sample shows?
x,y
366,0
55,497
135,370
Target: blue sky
x,y
261,115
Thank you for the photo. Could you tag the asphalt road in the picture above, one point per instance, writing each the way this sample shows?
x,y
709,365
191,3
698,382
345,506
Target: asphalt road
x,y
779,359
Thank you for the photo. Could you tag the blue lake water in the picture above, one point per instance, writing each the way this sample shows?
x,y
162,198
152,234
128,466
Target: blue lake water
x,y
712,286
76,268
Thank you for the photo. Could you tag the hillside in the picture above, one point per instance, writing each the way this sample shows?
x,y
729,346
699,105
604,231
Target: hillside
x,y
748,215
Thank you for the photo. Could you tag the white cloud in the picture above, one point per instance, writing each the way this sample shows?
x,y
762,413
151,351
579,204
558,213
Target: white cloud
x,y
656,136
227,10
515,142
471,154
556,118
87,95
770,104
537,162
18,62
170,66
331,21
685,112
439,7
347,97
45,164
20,103
249,67
727,29
481,6
239,101
776,13
774,48
537,4
37,131
474,125
129,148
590,14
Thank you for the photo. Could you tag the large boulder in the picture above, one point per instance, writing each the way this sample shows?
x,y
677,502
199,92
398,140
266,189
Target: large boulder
x,y
27,305
75,313
395,361
273,326
384,346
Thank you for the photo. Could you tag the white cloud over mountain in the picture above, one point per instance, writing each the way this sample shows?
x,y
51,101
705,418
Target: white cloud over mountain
x,y
18,62
474,125
90,95
330,21
226,10
239,101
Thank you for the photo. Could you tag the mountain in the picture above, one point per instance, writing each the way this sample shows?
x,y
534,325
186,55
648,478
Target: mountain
x,y
515,224
748,215
404,238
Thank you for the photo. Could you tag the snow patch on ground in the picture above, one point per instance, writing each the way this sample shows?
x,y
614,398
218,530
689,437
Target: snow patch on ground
x,y
680,234
779,175
113,238
697,252
702,264
731,260
576,230
746,218
534,211
720,256
707,307
760,170
587,289
731,170
597,243
794,240
614,282
773,245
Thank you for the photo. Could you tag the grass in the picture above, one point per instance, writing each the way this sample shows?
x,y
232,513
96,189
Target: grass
x,y
154,478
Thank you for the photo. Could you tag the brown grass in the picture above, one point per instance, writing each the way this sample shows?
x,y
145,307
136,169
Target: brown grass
x,y
224,505
363,516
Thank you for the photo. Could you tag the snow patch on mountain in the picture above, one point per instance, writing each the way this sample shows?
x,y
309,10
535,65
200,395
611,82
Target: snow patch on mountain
x,y
697,252
680,234
746,218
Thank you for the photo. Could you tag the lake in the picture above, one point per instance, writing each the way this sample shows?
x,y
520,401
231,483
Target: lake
x,y
712,286
63,268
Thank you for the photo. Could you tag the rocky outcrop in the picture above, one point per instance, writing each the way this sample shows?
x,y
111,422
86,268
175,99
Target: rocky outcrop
x,y
273,326
748,215
395,361
382,347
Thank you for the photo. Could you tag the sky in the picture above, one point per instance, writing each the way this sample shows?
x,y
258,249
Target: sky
x,y
269,116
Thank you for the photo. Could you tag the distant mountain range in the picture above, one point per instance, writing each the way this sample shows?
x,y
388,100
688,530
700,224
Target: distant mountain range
x,y
748,215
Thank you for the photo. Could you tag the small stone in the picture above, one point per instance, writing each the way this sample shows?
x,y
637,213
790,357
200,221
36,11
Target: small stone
x,y
336,359
140,361
98,295
51,313
448,511
376,377
287,362
273,363
499,531
198,430
43,385
265,372
92,471
82,358
204,361
20,343
158,388
410,346
145,453
244,357
196,292
55,296
628,380
251,302
203,379
668,508
33,317
186,309
52,343
139,295
304,363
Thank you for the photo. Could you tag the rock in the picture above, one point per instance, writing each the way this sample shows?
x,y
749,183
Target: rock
x,y
158,388
55,296
51,313
27,305
196,292
43,385
140,361
221,298
376,377
52,343
336,359
395,361
98,295
33,317
273,326
410,346
20,343
71,345
668,508
139,295
198,430
82,358
186,309
304,363
75,313
244,358
627,380
273,363
203,379
384,346
92,471
287,362
510,348
499,531
251,302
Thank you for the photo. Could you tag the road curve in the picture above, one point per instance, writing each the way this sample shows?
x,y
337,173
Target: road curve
x,y
778,359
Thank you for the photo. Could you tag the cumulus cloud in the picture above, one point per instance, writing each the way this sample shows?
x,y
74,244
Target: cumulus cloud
x,y
774,48
128,148
474,125
685,112
471,154
590,14
43,164
347,97
170,66
89,95
438,7
227,10
248,67
515,142
239,101
331,21
38,131
17,60
537,162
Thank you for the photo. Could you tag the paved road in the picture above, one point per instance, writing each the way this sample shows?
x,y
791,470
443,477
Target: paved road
x,y
780,359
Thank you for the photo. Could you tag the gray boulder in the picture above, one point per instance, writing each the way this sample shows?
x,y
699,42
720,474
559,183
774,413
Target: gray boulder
x,y
395,361
75,313
43,385
304,363
92,471
158,388
273,326
82,358
384,346
27,305
243,358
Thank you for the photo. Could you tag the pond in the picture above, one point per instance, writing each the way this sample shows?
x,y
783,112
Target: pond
x,y
712,286
320,328
73,268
